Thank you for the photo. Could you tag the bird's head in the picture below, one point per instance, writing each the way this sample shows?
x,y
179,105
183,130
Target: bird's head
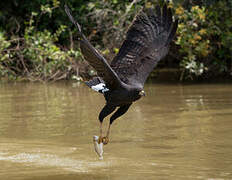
x,y
142,93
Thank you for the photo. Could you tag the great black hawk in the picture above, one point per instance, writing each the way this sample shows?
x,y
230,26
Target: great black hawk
x,y
122,81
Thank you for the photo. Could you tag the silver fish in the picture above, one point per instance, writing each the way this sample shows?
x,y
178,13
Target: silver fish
x,y
98,146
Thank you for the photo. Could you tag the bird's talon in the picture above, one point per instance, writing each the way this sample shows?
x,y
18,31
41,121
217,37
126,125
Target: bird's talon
x,y
105,140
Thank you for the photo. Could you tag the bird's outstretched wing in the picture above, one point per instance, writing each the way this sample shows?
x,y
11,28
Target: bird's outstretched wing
x,y
94,58
146,43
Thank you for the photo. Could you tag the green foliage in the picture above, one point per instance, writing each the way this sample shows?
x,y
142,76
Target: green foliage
x,y
193,38
36,55
4,44
204,39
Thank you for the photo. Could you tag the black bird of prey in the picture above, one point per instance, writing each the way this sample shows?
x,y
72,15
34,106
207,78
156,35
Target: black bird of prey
x,y
122,81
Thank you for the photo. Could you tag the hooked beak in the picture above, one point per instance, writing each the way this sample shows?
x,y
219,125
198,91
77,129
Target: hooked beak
x,y
142,93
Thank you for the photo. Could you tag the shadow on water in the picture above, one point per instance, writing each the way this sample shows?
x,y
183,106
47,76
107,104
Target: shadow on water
x,y
175,132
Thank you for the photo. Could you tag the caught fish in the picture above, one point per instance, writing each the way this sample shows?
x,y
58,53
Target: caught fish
x,y
98,146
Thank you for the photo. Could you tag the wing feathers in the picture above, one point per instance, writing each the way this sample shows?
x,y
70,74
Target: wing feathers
x,y
158,11
95,59
73,21
173,32
146,43
164,15
169,19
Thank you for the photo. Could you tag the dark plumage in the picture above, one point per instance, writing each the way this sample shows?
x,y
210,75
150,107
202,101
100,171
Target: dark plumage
x,y
122,81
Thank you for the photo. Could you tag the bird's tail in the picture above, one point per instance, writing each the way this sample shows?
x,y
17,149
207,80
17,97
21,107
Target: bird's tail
x,y
97,84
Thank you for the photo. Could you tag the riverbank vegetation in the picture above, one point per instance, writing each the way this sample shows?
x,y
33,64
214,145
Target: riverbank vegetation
x,y
38,43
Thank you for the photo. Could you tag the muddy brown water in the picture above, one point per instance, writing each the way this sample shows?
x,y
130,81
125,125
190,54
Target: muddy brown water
x,y
175,132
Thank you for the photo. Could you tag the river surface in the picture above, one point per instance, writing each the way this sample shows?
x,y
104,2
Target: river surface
x,y
176,132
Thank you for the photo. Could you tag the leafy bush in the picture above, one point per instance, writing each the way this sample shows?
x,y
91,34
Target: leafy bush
x,y
4,54
204,39
193,38
36,55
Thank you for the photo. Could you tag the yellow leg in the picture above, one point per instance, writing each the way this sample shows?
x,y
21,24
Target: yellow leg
x,y
105,139
101,134
108,131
